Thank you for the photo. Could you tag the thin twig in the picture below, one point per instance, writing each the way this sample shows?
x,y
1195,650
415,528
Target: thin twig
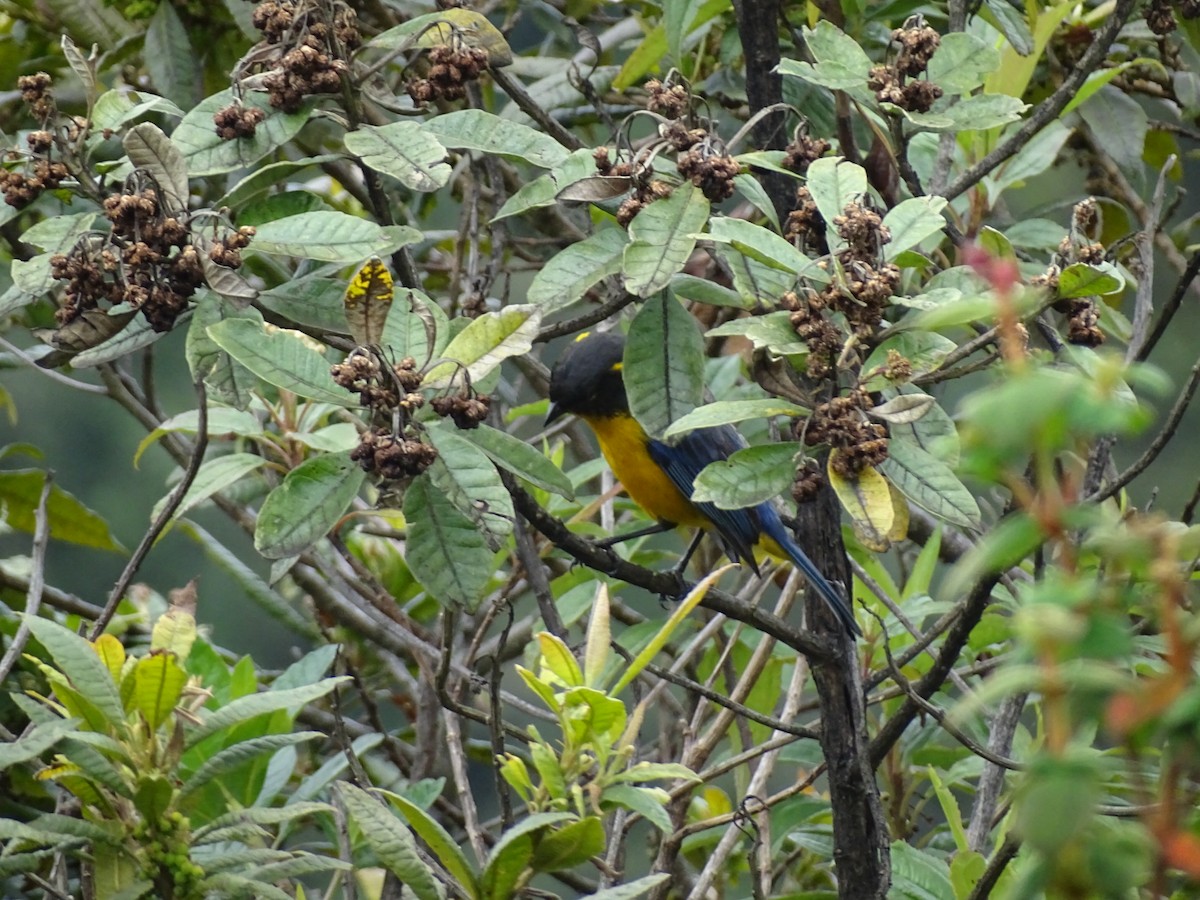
x,y
1050,108
174,499
50,373
37,577
462,784
1158,444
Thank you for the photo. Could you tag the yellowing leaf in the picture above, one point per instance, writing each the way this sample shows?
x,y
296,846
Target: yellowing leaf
x,y
159,684
111,653
368,300
868,500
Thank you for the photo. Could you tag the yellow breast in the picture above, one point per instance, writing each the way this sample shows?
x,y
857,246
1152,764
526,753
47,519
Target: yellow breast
x,y
624,444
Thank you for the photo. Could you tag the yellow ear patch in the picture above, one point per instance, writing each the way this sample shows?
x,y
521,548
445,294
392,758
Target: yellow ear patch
x,y
583,335
617,367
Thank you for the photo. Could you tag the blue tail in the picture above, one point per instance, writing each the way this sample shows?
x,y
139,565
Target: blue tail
x,y
773,527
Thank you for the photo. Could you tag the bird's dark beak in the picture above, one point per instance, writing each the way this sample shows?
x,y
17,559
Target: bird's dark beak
x,y
554,412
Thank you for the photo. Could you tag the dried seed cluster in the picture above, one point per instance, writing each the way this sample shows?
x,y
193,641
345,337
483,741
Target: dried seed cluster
x,y
898,82
803,151
237,121
842,423
1160,14
1082,313
868,284
147,259
451,68
395,451
314,40
806,224
669,101
645,189
39,171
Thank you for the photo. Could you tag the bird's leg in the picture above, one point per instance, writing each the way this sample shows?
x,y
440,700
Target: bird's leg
x,y
656,528
681,567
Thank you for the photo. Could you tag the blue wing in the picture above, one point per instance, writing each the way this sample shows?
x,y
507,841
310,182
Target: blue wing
x,y
740,529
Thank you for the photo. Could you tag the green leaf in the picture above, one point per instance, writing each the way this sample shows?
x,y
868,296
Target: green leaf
x,y
1123,122
416,327
474,129
77,659
664,364
978,112
445,551
750,188
642,801
924,349
758,283
728,412
520,458
228,381
173,64
330,236
773,331
207,154
1010,21
701,290
158,685
280,357
390,840
484,344
575,270
840,63
961,63
221,420
544,190
150,150
468,478
911,221
760,244
748,477
631,889
569,846
35,742
69,520
930,483
215,475
1083,280
918,875
404,150
262,815
833,183
512,853
661,239
268,177
307,505
251,706
1004,546
1057,800
221,764
443,845
117,107
646,771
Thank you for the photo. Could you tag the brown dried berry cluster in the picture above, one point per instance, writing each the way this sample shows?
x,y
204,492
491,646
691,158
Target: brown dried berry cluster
x,y
891,82
711,171
808,482
227,251
842,423
315,39
39,171
868,285
669,101
237,121
702,159
645,189
803,151
384,451
1160,17
821,336
806,224
381,390
147,260
392,457
36,93
451,69
465,409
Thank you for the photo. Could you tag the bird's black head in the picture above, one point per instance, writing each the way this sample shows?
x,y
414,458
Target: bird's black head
x,y
586,379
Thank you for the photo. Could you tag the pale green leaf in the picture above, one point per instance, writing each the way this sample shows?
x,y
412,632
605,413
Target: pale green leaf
x,y
728,412
307,505
280,358
748,477
445,551
664,364
576,269
484,344
661,239
404,150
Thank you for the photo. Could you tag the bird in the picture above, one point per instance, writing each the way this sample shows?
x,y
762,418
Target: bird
x,y
588,382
